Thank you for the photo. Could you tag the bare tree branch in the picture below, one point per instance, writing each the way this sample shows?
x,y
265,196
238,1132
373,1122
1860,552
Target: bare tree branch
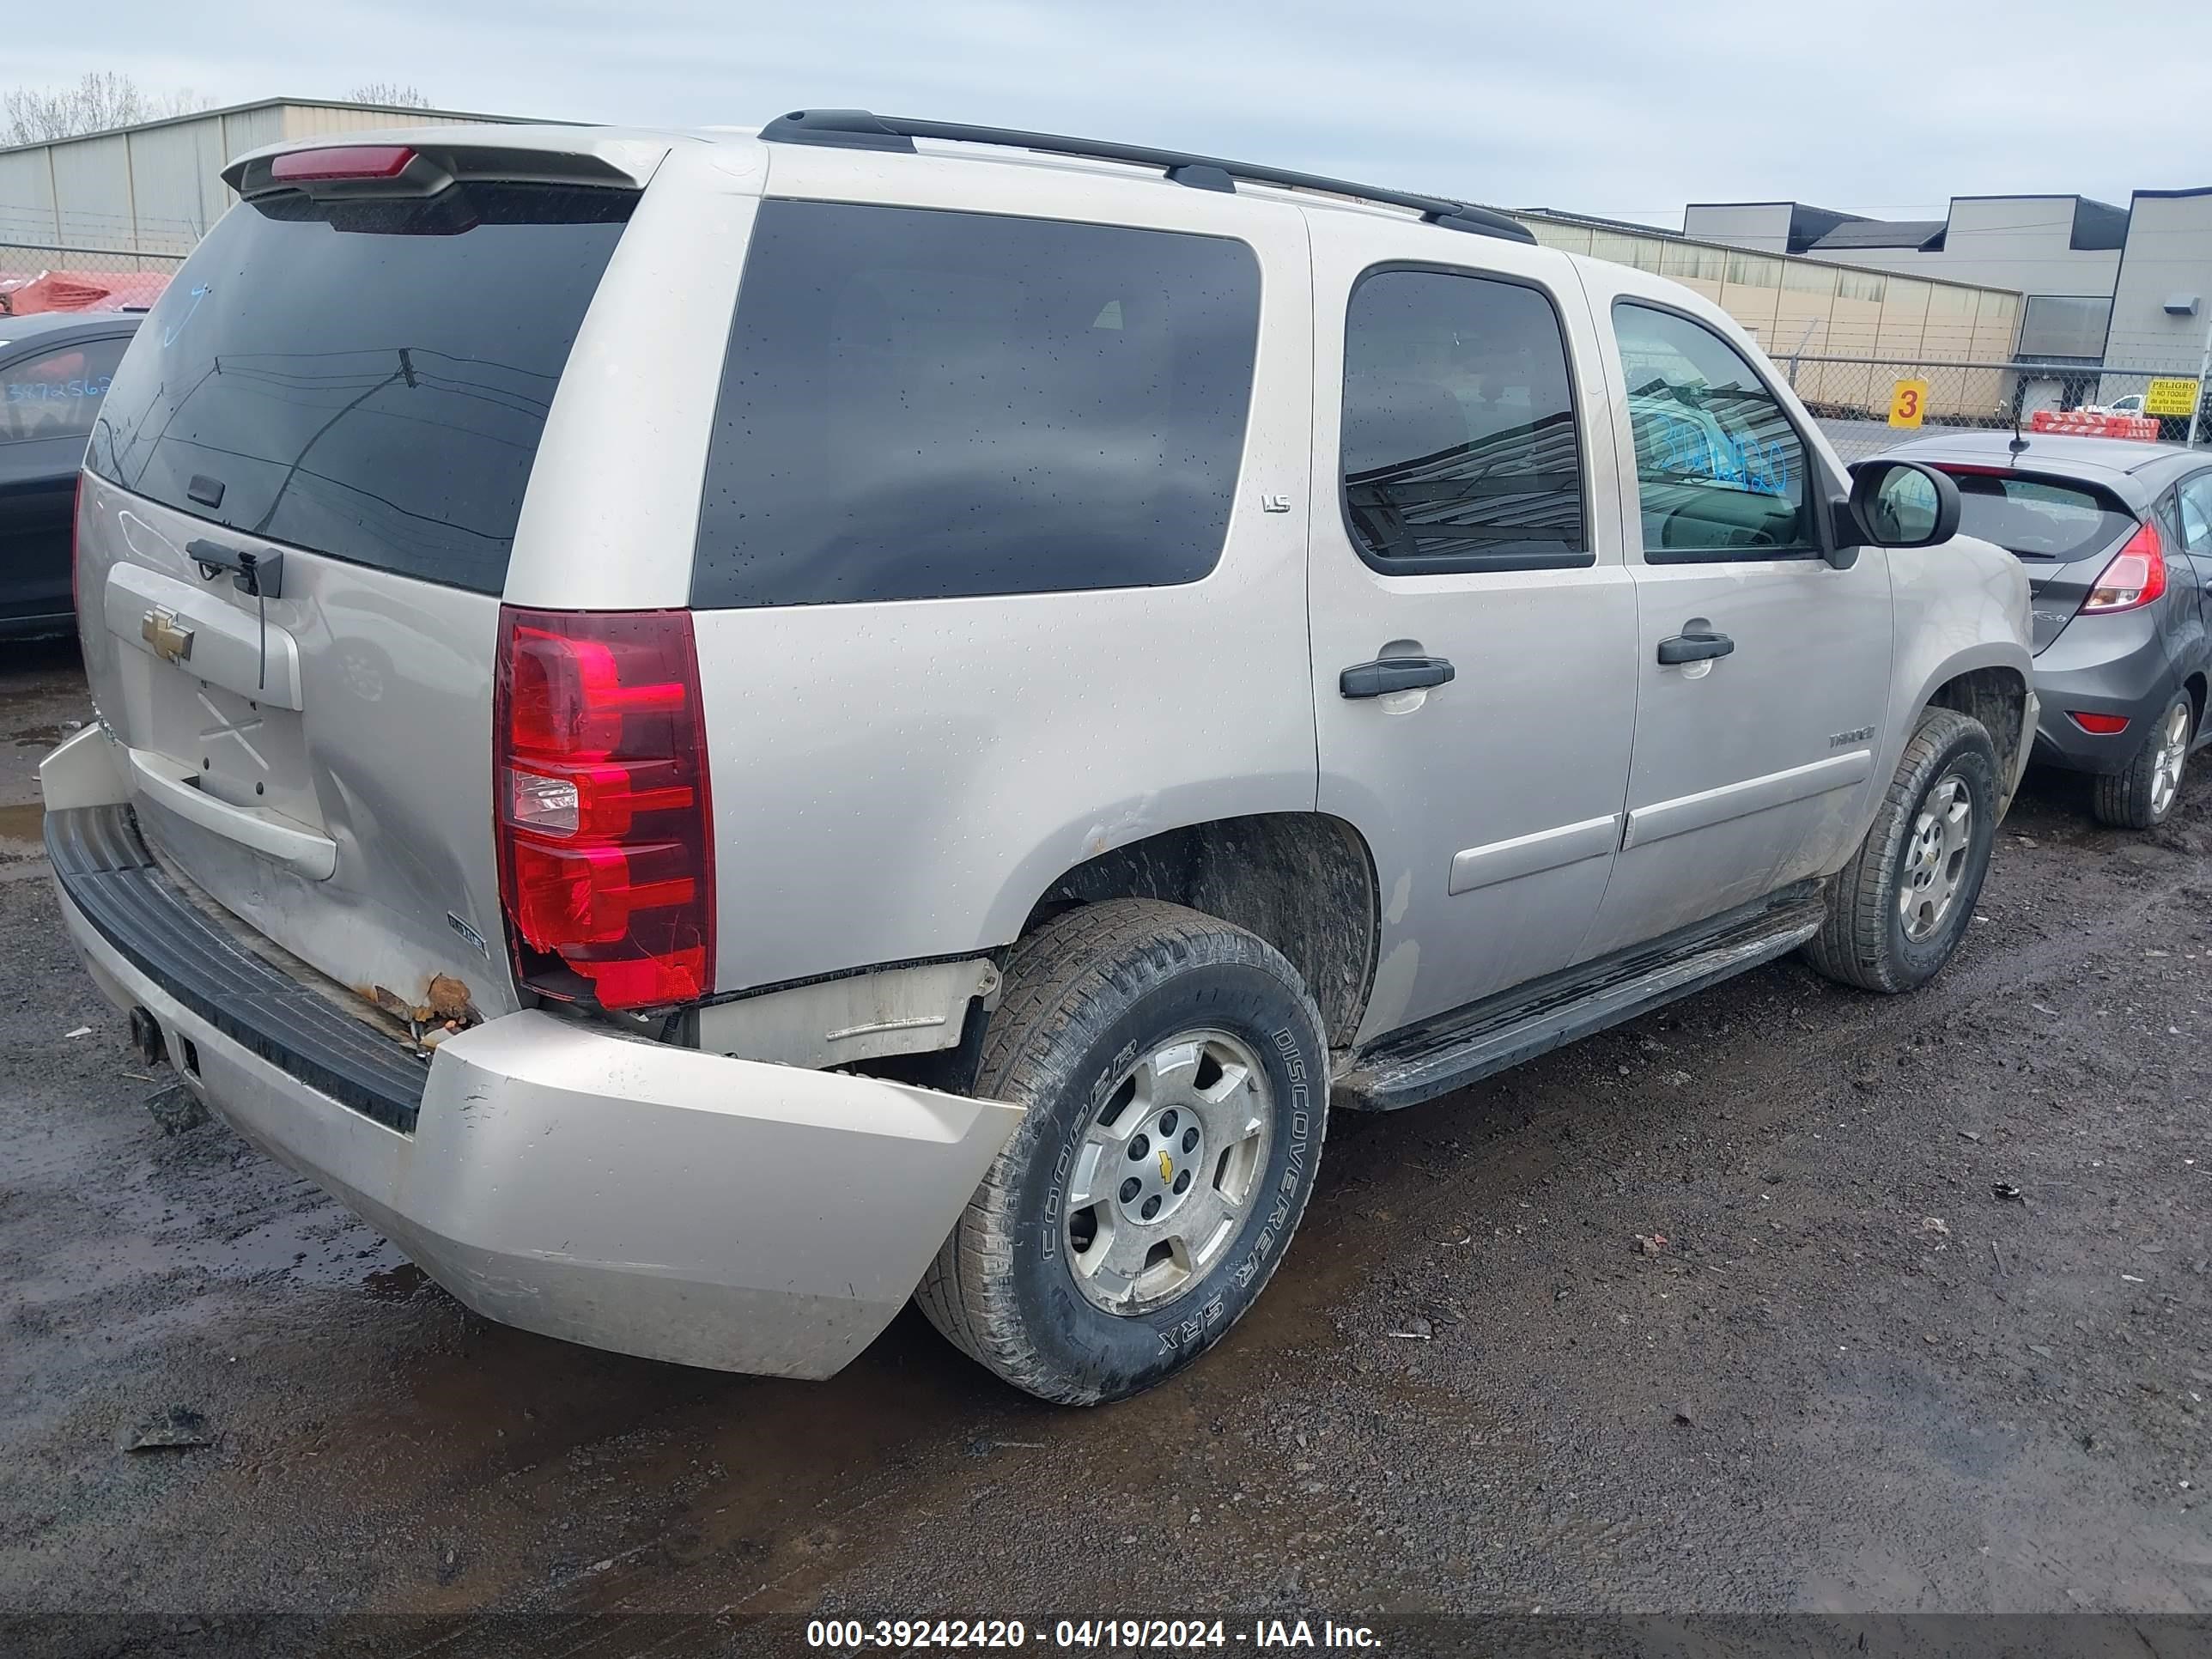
x,y
31,115
390,93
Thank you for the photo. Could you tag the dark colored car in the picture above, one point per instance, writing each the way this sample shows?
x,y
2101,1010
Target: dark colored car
x,y
54,370
2116,539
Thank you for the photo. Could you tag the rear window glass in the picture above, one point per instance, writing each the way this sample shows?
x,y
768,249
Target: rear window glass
x,y
921,404
2038,518
368,380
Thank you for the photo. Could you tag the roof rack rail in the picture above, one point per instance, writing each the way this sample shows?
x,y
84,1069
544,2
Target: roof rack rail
x,y
860,129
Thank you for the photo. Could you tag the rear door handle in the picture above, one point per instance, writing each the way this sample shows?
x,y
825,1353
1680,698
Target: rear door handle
x,y
1387,674
1694,647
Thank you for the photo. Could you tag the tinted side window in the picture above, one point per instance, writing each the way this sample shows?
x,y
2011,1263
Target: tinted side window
x,y
921,404
1720,472
56,394
2195,502
1459,446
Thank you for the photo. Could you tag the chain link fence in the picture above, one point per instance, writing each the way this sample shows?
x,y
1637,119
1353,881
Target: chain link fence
x,y
1867,404
36,277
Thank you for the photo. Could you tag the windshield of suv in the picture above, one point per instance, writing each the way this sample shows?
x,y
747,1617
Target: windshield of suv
x,y
2038,518
365,380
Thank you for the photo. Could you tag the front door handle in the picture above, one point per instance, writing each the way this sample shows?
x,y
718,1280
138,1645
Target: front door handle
x,y
1694,647
1387,674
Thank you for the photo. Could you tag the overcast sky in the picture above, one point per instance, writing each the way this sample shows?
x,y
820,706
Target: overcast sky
x,y
1619,108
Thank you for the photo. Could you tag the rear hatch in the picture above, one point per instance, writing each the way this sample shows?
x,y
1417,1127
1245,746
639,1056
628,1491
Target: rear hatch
x,y
2063,532
293,537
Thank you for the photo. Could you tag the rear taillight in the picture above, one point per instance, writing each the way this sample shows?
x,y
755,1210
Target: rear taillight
x,y
2136,576
605,824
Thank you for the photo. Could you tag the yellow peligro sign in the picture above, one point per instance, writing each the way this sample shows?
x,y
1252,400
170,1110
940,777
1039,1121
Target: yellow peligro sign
x,y
2170,397
1908,403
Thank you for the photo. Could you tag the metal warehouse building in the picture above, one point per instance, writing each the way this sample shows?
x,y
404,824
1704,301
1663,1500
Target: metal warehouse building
x,y
2104,286
1823,323
151,191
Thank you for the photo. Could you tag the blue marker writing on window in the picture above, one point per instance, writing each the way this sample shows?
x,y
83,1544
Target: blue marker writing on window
x,y
169,334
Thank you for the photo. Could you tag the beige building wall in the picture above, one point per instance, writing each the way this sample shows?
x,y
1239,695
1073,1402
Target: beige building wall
x,y
1809,309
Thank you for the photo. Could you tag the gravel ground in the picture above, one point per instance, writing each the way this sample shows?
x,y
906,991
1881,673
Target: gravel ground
x,y
1851,1378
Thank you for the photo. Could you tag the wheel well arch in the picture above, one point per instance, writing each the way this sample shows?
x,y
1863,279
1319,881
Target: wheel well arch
x,y
1997,697
1304,881
2199,688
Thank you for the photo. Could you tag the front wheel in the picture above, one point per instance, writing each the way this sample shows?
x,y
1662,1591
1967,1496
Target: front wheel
x,y
1174,1076
2142,796
1900,906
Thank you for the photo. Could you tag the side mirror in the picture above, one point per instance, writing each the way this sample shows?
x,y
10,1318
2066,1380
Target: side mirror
x,y
1900,504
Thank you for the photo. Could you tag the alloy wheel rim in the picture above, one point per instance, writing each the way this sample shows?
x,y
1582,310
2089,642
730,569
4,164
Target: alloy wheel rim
x,y
2172,753
1167,1171
1935,858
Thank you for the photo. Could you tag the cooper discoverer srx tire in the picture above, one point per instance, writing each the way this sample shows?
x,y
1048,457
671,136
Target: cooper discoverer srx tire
x,y
1174,1074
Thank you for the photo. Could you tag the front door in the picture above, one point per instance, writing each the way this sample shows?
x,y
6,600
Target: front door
x,y
1457,439
1763,671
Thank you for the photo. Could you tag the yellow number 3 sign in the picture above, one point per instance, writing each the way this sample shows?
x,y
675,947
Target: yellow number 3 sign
x,y
1908,403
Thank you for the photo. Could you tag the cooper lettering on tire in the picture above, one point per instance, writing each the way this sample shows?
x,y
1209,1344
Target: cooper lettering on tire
x,y
1165,1061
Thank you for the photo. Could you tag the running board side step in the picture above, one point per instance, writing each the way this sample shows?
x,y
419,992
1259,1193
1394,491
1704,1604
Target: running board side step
x,y
1467,1044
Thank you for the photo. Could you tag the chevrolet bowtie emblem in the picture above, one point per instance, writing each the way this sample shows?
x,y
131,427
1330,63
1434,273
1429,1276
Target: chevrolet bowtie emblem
x,y
1167,1168
171,643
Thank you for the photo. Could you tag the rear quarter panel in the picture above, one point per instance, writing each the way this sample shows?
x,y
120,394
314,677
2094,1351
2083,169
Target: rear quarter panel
x,y
905,780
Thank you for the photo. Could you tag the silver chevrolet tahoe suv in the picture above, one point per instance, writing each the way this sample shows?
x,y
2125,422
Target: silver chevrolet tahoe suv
x,y
719,731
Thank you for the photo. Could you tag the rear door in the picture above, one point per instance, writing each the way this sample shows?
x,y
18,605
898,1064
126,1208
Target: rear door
x,y
1461,524
296,530
1763,671
49,394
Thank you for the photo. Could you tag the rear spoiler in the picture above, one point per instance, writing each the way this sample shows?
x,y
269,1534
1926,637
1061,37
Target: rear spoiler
x,y
2023,467
424,160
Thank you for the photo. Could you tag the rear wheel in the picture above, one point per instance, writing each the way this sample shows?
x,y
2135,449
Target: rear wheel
x,y
1900,906
2142,796
1174,1075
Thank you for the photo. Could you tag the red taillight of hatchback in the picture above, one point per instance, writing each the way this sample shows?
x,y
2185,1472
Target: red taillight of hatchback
x,y
2136,576
2100,726
606,824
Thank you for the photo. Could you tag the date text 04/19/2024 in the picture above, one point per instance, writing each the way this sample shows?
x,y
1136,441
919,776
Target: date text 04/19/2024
x,y
1084,1635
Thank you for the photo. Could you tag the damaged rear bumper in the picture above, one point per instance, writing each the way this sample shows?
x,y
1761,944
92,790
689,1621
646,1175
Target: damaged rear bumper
x,y
557,1177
